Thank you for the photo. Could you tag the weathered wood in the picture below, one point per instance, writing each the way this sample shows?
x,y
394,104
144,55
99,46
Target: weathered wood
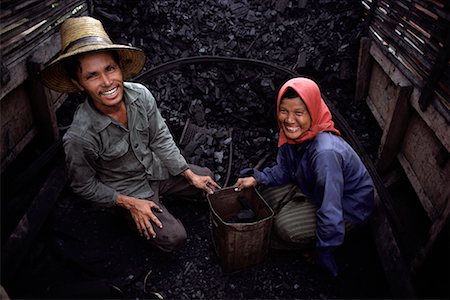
x,y
422,162
44,50
395,129
395,268
27,42
389,68
42,103
440,65
384,89
435,230
17,125
381,97
433,119
34,22
364,67
374,109
15,151
29,226
415,36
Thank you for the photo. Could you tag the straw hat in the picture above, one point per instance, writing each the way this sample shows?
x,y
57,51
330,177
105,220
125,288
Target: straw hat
x,y
86,34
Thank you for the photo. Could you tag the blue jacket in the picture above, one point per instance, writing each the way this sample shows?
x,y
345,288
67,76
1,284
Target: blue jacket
x,y
329,171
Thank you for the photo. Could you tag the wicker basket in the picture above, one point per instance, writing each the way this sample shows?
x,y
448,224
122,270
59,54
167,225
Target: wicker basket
x,y
240,244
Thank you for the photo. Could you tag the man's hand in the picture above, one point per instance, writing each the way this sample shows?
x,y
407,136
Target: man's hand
x,y
244,182
205,183
142,214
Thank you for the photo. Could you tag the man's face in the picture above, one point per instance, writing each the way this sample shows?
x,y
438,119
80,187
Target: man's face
x,y
101,78
294,117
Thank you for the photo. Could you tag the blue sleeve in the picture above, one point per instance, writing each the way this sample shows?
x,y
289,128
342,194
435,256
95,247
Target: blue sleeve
x,y
329,178
327,194
276,175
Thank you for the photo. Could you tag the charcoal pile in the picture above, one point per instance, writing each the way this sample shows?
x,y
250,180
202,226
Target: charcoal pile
x,y
235,103
223,116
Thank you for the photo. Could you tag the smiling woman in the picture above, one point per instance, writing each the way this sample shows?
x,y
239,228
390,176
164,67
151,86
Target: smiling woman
x,y
330,184
293,115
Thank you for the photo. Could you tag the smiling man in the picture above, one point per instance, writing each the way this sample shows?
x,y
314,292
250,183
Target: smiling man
x,y
119,151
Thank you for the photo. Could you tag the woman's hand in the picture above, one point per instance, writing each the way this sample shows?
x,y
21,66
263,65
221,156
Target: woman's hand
x,y
142,213
244,182
205,183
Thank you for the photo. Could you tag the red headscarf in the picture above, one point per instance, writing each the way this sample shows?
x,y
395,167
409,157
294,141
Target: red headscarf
x,y
320,114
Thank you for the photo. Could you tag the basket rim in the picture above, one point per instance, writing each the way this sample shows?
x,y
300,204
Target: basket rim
x,y
241,224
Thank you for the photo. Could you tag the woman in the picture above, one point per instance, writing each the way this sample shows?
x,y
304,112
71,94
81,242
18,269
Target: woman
x,y
314,158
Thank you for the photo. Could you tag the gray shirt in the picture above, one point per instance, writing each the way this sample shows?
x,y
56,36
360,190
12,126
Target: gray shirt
x,y
104,158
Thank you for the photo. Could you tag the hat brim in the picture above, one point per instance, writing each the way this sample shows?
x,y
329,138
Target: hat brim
x,y
55,76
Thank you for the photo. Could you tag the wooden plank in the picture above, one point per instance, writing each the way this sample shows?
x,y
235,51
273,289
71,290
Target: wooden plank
x,y
16,123
374,109
41,30
45,50
11,7
389,68
410,56
42,103
364,67
382,96
434,119
429,163
435,230
29,226
440,66
395,268
12,154
31,42
395,129
418,188
431,116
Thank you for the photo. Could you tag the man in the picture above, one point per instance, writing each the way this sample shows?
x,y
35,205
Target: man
x,y
119,151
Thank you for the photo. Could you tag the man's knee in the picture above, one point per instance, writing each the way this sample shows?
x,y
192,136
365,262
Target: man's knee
x,y
171,237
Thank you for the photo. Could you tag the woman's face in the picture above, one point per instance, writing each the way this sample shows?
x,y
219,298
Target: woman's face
x,y
294,117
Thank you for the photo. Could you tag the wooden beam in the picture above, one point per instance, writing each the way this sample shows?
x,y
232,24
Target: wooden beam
x,y
364,69
435,230
12,155
440,65
42,103
395,269
426,202
434,119
388,67
395,129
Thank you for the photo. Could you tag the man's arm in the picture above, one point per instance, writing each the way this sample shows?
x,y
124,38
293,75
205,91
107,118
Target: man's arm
x,y
161,140
80,156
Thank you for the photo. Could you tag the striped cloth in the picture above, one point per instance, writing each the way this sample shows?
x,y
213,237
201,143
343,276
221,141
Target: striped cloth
x,y
294,224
